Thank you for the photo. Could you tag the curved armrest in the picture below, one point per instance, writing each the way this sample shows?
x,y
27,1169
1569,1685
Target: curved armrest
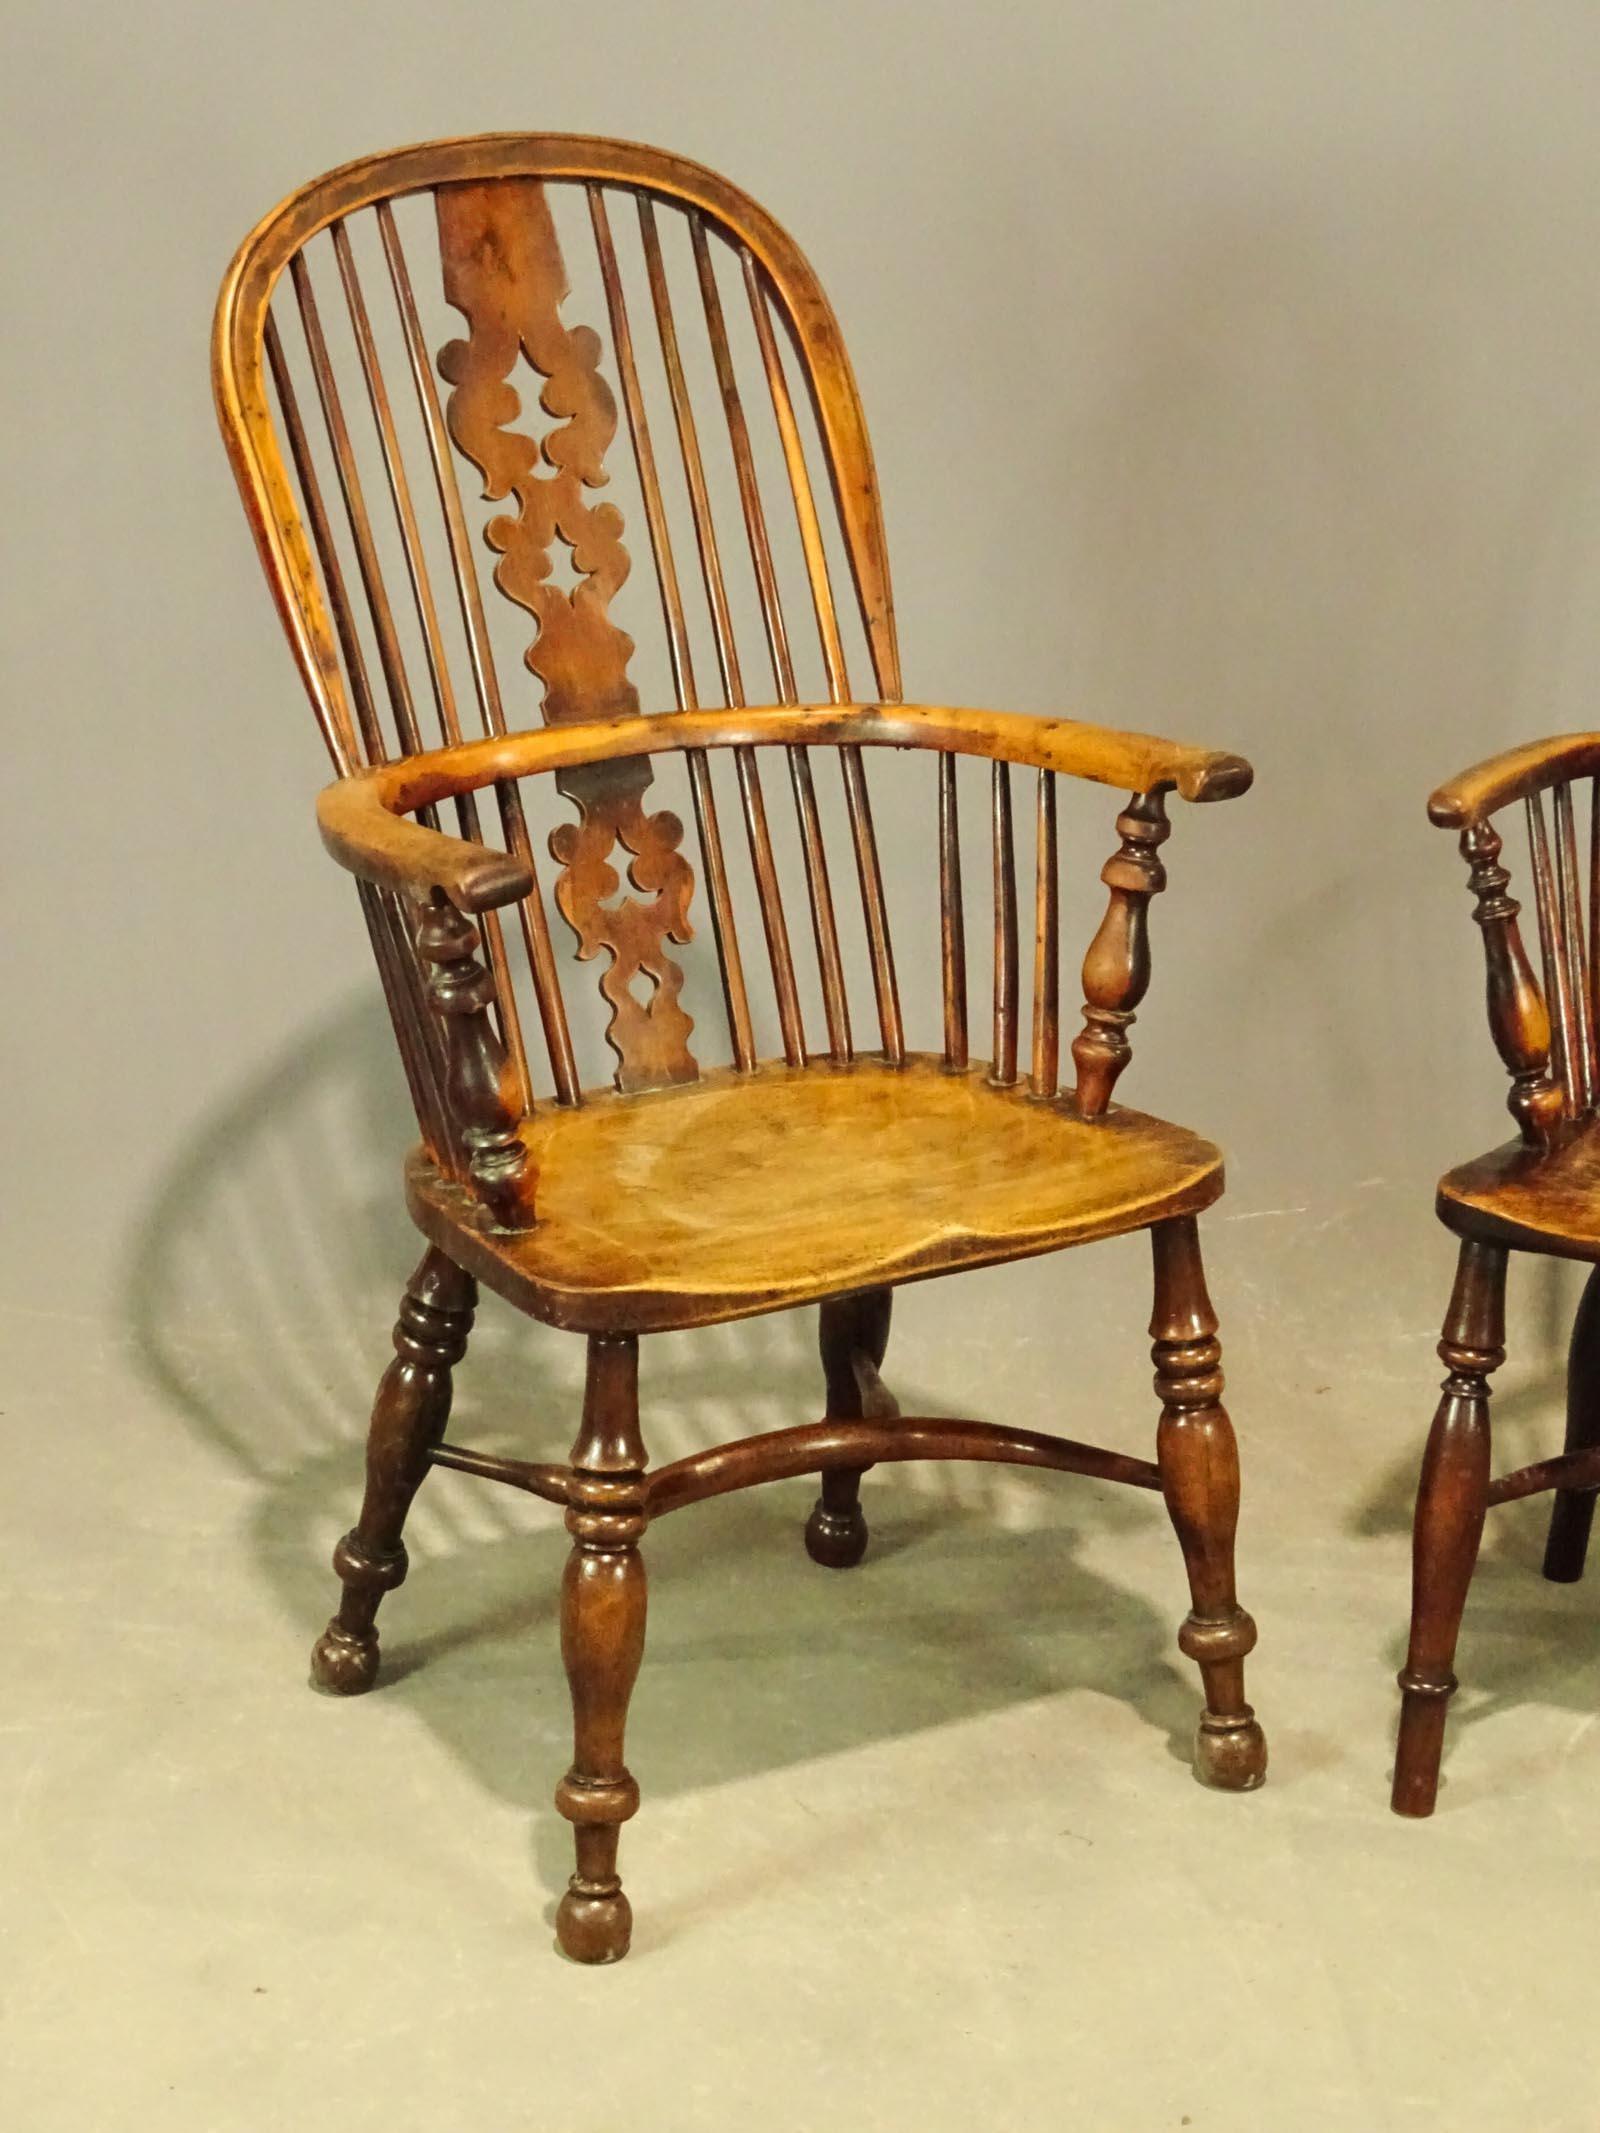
x,y
419,859
364,825
1487,787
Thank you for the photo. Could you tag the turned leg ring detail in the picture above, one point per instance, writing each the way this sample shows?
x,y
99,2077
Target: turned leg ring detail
x,y
408,1418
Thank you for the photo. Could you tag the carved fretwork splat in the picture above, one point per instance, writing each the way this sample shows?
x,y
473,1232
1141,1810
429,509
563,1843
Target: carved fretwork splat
x,y
503,271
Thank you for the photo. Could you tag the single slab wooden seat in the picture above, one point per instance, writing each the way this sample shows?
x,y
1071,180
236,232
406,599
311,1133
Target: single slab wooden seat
x,y
1530,1199
1537,1194
662,1209
417,423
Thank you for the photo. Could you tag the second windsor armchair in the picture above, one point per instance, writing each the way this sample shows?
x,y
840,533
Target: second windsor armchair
x,y
810,1168
1540,1193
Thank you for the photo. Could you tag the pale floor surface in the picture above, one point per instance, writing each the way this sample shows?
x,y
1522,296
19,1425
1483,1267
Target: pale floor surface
x,y
917,1847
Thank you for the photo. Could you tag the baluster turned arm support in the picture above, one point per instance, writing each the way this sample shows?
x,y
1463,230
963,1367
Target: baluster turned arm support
x,y
1116,971
1519,1020
1519,1013
481,1081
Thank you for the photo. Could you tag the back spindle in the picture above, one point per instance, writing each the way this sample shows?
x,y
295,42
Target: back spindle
x,y
870,873
952,918
751,796
394,467
333,715
1004,1068
818,892
390,658
880,949
1576,951
830,963
718,895
1116,970
1046,947
1557,977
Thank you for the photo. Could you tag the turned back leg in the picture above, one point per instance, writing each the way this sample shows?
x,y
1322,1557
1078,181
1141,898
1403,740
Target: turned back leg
x,y
853,1330
1451,1501
408,1419
1572,1513
1199,1464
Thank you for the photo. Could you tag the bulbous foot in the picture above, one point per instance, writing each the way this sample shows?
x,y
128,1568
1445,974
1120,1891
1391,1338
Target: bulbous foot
x,y
836,1539
1230,1754
343,1664
594,1927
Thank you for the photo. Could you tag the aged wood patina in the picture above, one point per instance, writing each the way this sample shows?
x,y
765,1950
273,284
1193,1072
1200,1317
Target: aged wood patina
x,y
799,1148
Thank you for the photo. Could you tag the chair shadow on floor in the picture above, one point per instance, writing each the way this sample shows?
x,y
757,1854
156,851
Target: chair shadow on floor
x,y
262,1281
1523,1640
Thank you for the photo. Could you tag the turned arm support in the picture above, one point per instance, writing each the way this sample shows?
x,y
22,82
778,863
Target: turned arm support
x,y
1519,1015
363,818
482,1086
1519,1020
1116,970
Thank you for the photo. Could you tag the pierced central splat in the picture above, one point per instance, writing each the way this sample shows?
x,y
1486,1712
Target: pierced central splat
x,y
562,559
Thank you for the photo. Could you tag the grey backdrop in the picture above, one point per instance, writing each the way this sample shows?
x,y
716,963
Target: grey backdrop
x,y
1231,372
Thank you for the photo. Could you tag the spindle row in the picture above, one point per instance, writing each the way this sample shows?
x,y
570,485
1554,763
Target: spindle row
x,y
529,409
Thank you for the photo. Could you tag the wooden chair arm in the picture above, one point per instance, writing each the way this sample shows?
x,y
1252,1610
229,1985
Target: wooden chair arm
x,y
363,818
363,836
1513,775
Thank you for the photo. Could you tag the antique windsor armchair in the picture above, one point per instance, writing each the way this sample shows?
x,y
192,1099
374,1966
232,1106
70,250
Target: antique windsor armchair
x,y
809,1167
1540,1193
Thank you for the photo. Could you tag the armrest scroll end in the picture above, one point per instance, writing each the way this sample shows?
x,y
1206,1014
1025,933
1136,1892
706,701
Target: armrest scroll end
x,y
1217,777
393,852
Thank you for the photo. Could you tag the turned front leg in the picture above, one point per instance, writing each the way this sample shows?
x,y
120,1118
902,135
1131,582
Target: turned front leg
x,y
408,1419
851,1327
1452,1498
1199,1465
602,1642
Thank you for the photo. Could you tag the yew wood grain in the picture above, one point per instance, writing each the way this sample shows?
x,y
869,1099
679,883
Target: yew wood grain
x,y
691,1193
661,1214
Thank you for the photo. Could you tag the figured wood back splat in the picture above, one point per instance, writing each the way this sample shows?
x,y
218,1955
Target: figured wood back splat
x,y
503,271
